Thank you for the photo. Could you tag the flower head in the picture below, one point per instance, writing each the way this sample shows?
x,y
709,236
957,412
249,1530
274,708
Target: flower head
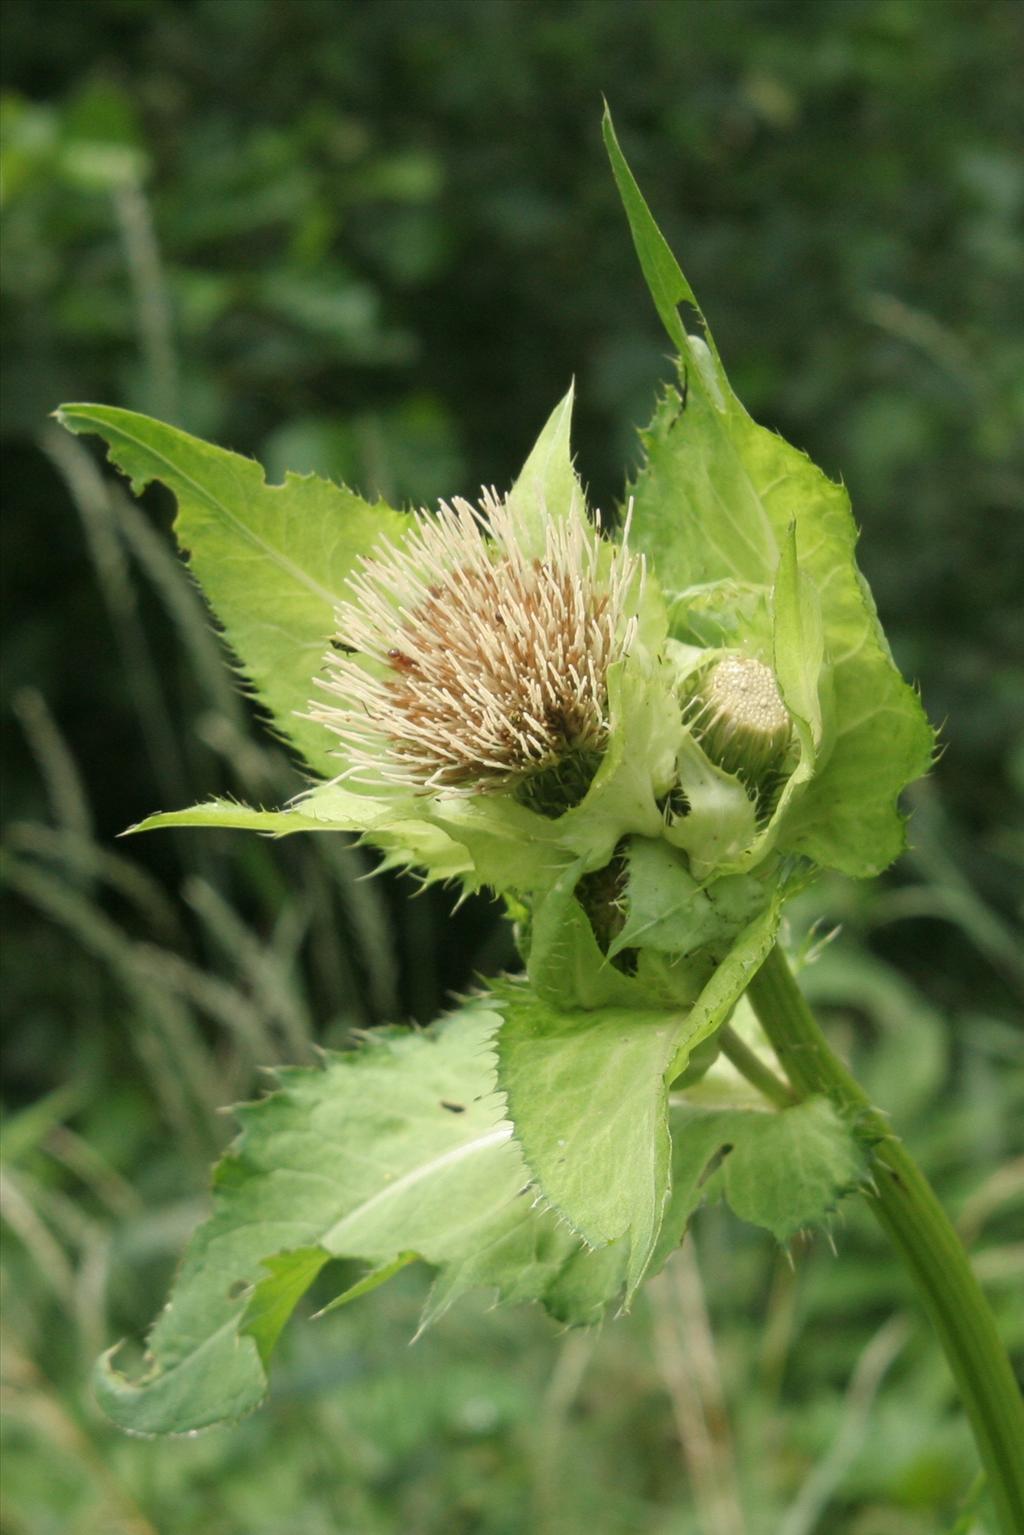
x,y
464,662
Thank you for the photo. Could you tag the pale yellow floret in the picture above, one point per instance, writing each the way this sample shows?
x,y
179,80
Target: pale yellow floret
x,y
465,662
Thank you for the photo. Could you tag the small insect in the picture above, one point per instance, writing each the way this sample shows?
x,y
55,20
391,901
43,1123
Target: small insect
x,y
401,662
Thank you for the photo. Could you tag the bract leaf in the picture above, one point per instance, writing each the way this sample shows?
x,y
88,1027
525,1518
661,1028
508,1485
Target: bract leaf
x,y
713,506
271,559
547,489
586,1079
798,645
369,1282
225,815
396,1149
732,974
564,961
668,910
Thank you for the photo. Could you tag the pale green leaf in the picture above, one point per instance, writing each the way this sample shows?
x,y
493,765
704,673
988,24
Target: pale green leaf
x,y
547,489
798,645
397,1148
668,910
225,815
272,559
568,968
695,1145
733,973
563,958
587,1093
586,1064
783,1170
713,505
638,765
393,827
721,818
668,287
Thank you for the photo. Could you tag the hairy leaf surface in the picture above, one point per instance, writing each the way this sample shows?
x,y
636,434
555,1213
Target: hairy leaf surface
x,y
784,1170
587,1090
271,559
396,1150
587,1094
713,505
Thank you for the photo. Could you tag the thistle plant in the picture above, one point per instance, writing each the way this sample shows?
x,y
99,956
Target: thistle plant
x,y
645,735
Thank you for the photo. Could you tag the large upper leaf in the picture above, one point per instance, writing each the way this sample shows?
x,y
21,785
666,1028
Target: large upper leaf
x,y
271,559
713,505
397,1150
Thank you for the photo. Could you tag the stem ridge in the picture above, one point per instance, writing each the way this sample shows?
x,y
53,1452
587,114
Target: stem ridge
x,y
912,1217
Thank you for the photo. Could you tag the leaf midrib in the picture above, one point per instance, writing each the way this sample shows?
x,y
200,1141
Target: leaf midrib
x,y
416,1175
214,502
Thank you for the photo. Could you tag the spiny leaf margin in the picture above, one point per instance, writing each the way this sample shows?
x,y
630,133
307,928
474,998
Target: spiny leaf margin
x,y
715,502
396,1148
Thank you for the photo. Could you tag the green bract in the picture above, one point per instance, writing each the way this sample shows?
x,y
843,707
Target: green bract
x,y
745,727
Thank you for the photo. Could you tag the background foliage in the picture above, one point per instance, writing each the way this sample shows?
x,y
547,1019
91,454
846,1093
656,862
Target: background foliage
x,y
376,240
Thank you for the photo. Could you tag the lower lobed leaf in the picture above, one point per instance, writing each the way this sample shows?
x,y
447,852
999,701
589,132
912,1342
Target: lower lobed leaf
x,y
395,1151
400,1151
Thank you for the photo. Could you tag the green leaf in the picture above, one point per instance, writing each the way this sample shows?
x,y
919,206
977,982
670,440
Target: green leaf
x,y
713,508
391,826
547,488
721,819
586,1065
637,767
668,910
668,287
398,1148
365,1286
271,559
587,1093
274,1298
225,815
563,959
798,645
733,973
784,1170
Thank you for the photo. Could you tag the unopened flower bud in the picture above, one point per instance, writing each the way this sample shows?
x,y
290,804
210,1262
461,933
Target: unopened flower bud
x,y
741,721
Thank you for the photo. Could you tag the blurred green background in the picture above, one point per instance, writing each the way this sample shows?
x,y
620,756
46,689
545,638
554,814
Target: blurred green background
x,y
375,239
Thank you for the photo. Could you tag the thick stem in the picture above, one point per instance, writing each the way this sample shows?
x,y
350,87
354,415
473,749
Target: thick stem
x,y
919,1229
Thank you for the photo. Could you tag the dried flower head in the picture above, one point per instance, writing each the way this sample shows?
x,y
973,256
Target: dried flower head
x,y
463,663
741,719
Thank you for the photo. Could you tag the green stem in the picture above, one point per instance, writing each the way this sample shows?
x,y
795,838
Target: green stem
x,y
919,1229
751,1066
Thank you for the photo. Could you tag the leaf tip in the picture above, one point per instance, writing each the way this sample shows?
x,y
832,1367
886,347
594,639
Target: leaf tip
x,y
115,1393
